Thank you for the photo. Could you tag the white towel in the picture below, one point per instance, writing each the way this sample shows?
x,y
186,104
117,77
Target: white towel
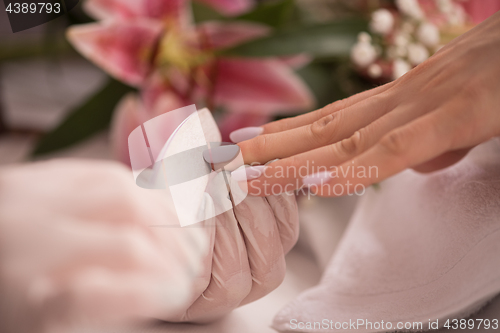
x,y
419,248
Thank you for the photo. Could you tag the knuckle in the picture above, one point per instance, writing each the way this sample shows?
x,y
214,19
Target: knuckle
x,y
352,145
463,124
421,68
293,162
274,279
472,92
321,131
395,143
379,98
383,100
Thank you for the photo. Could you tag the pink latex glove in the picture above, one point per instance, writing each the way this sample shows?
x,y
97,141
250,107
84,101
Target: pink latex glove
x,y
76,242
76,248
246,259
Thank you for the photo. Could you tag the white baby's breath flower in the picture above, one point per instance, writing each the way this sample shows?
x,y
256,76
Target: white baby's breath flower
x,y
417,53
391,52
401,39
407,27
428,34
399,68
382,21
364,37
374,71
445,6
401,51
410,8
363,54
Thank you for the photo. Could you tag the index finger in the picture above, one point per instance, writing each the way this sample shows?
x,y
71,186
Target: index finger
x,y
310,117
404,147
325,126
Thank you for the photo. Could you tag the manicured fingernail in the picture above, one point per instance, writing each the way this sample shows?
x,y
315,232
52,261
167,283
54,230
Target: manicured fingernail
x,y
245,133
319,178
272,161
247,173
218,157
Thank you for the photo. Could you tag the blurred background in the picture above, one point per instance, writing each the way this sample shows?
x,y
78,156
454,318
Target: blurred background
x,y
249,61
78,85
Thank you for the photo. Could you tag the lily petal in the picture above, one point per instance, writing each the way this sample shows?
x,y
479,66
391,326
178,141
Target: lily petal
x,y
230,7
125,9
481,10
103,9
131,113
166,10
169,81
128,115
297,61
159,128
124,50
233,121
218,35
260,86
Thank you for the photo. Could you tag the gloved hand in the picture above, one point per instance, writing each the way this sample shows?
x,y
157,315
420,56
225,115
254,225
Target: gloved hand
x,y
76,242
248,244
76,248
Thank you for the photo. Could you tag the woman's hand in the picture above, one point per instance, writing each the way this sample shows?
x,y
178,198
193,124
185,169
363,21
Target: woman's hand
x,y
428,119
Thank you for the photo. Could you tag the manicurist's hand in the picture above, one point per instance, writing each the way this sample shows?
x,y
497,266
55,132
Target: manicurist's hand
x,y
78,248
246,256
426,120
82,244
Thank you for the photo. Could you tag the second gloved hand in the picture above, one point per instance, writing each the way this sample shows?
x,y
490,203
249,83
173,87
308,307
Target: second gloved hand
x,y
246,260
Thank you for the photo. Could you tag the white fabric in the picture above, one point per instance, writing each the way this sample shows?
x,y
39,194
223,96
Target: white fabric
x,y
420,247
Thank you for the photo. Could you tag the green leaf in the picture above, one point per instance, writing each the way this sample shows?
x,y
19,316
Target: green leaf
x,y
275,14
13,50
202,13
320,79
334,39
85,120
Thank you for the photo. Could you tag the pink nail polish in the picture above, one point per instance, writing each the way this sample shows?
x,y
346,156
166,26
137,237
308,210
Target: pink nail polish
x,y
245,133
248,173
317,179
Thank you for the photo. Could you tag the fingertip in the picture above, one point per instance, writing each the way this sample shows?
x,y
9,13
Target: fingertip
x,y
245,133
252,150
316,179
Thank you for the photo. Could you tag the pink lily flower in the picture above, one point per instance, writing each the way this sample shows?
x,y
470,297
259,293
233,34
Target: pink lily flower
x,y
154,45
230,7
476,11
481,10
131,113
